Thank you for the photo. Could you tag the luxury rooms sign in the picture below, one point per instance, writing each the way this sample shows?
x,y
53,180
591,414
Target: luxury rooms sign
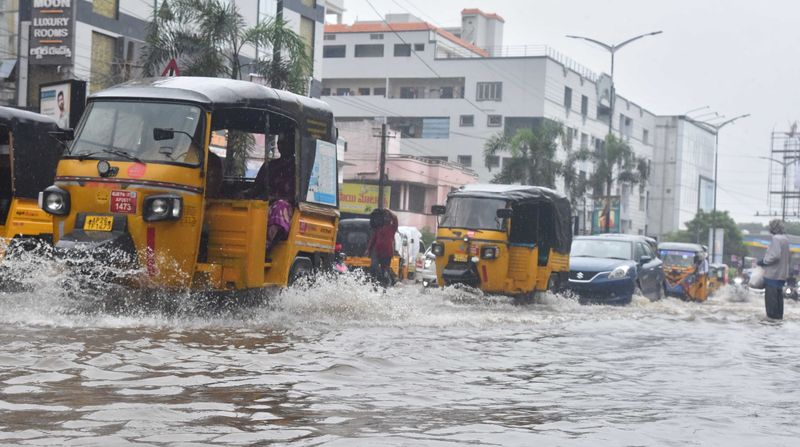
x,y
52,31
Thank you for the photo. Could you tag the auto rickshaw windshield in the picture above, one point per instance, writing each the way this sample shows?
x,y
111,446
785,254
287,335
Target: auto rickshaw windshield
x,y
123,130
473,213
674,258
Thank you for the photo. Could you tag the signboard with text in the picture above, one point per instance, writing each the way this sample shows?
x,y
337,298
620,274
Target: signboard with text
x,y
63,101
356,198
52,28
605,216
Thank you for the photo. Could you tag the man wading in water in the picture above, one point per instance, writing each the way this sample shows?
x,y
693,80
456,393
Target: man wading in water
x,y
776,270
381,245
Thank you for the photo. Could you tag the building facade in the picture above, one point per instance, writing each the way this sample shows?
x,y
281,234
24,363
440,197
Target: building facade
x,y
682,173
447,96
101,41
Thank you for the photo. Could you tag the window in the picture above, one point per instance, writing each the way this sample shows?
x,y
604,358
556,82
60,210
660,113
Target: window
x,y
506,162
465,160
326,91
379,91
568,139
376,36
489,91
329,36
415,127
467,120
363,91
642,202
494,120
584,141
343,91
645,136
409,92
310,3
492,161
416,198
369,50
446,92
584,105
402,50
106,8
102,57
641,250
419,47
567,98
334,51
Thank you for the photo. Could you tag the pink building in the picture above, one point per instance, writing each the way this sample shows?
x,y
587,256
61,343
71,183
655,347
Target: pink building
x,y
416,182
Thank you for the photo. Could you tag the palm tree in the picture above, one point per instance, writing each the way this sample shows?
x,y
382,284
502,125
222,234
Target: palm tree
x,y
614,161
208,37
533,152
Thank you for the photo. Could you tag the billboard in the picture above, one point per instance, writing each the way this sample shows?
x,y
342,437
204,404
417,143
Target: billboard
x,y
705,195
606,208
63,101
355,198
52,28
716,244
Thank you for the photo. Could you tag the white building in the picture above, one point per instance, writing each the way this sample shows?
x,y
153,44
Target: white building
x,y
682,173
447,96
102,40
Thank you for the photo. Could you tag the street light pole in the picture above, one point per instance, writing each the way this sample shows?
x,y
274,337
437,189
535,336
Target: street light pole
x,y
716,128
612,48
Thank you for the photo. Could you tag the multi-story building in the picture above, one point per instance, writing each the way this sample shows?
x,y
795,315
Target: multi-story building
x,y
101,41
447,95
682,173
9,17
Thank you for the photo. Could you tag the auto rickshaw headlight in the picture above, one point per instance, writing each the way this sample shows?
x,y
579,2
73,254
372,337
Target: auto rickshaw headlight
x,y
489,252
54,200
162,207
437,249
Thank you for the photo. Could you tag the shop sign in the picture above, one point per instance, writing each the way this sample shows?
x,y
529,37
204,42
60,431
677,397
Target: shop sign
x,y
52,27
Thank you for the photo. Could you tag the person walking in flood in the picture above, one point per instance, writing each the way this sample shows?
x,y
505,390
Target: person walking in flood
x,y
381,245
776,269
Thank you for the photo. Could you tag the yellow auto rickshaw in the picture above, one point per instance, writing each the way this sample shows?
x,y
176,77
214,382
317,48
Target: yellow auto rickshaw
x,y
717,277
352,239
28,158
504,239
181,174
680,270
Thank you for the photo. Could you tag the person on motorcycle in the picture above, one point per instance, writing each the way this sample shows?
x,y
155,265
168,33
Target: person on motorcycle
x,y
776,269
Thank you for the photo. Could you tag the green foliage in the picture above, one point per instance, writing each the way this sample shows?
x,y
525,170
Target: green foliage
x,y
428,236
533,154
697,231
614,161
207,38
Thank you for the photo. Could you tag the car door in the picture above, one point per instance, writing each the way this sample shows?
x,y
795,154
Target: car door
x,y
647,278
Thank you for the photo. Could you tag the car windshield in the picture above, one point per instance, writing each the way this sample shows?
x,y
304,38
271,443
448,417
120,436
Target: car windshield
x,y
601,248
124,131
473,213
675,258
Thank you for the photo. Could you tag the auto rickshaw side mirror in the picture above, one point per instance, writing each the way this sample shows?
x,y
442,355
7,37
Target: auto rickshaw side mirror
x,y
504,213
160,134
438,210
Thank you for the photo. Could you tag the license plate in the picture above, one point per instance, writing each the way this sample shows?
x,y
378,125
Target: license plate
x,y
98,223
460,257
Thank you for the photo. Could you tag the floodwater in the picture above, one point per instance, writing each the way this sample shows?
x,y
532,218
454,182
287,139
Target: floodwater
x,y
338,364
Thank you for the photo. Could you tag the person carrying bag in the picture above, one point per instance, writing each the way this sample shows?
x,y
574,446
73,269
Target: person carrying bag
x,y
776,269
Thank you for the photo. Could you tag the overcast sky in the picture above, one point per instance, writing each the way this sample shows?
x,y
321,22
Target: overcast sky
x,y
737,56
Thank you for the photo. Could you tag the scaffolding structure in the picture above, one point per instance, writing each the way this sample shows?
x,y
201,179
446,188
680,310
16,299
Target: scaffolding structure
x,y
784,174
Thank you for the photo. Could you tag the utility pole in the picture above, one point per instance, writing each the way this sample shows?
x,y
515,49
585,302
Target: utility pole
x,y
382,166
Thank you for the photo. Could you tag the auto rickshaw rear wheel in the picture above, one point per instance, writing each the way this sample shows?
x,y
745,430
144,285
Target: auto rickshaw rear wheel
x,y
302,267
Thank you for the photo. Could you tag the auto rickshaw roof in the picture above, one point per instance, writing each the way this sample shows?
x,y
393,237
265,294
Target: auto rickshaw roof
x,y
10,116
354,224
681,246
35,151
212,93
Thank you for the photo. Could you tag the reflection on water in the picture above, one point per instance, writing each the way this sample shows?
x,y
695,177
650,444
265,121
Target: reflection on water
x,y
341,364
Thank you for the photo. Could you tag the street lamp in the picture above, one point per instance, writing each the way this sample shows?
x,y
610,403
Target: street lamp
x,y
783,164
716,128
613,48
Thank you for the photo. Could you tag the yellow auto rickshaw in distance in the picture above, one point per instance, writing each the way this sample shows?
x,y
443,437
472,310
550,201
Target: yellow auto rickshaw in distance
x,y
352,240
505,239
190,178
28,158
717,277
680,270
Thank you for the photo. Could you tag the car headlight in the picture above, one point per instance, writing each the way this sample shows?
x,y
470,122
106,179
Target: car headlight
x,y
162,207
437,249
738,281
619,272
54,200
489,252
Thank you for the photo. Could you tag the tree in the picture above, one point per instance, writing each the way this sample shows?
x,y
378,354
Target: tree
x,y
615,161
208,38
697,231
533,153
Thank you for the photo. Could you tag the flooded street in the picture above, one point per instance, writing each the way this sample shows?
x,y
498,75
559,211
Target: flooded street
x,y
342,365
